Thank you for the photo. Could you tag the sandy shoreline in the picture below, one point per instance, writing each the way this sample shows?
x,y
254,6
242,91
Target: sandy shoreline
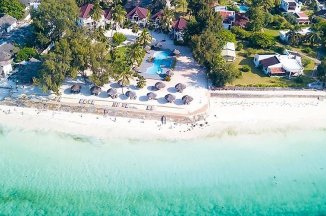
x,y
226,116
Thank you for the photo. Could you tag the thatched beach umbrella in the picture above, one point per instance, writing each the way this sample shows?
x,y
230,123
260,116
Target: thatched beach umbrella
x,y
159,85
180,87
75,89
151,96
131,94
187,99
176,52
112,92
95,90
169,73
169,98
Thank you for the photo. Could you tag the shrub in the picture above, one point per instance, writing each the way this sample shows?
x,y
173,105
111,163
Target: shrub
x,y
245,68
250,51
167,78
118,38
141,82
262,40
240,33
298,80
307,50
306,61
25,54
239,46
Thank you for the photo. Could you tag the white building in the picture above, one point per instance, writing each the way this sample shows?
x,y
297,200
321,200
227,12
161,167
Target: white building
x,y
288,64
228,52
292,6
85,19
285,37
7,52
7,23
179,28
139,16
227,16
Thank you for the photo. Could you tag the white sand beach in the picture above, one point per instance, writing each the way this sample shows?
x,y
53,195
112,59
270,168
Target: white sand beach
x,y
225,116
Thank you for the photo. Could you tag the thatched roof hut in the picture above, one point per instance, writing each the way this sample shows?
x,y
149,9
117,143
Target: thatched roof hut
x,y
187,99
95,90
169,98
159,85
169,73
151,96
112,92
176,52
75,89
180,87
131,94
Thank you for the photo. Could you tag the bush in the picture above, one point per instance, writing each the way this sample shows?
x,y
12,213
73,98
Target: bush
x,y
141,82
118,38
290,18
25,54
239,47
306,61
240,33
307,50
298,80
245,68
250,51
167,78
262,40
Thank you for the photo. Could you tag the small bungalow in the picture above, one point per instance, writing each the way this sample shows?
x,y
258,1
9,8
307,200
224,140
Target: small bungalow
x,y
280,65
85,19
292,6
228,52
302,18
7,23
7,51
227,16
31,3
179,28
156,19
138,15
284,36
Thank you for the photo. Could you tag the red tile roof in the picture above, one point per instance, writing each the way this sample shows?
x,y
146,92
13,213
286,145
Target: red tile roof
x,y
302,15
157,15
85,10
139,11
226,14
269,61
277,70
107,14
180,24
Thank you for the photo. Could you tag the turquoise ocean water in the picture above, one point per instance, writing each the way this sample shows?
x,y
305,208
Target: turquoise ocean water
x,y
57,174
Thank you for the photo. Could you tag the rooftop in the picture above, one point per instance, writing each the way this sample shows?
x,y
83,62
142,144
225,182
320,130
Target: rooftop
x,y
139,11
180,24
7,20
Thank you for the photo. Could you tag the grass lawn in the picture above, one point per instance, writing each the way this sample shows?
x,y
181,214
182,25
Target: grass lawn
x,y
256,78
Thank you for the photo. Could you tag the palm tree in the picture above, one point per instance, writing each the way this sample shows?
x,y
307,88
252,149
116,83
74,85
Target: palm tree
x,y
313,38
166,21
125,77
97,11
144,38
136,54
119,15
294,38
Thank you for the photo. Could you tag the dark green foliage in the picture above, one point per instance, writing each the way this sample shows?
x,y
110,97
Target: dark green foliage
x,y
12,7
245,68
262,40
25,54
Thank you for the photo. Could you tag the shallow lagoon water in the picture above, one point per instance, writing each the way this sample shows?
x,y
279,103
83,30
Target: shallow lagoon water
x,y
259,174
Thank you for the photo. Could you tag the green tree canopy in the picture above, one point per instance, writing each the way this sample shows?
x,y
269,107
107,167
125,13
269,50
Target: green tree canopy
x,y
12,7
53,19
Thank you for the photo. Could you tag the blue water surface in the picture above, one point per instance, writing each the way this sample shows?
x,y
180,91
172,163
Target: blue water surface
x,y
162,59
243,8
